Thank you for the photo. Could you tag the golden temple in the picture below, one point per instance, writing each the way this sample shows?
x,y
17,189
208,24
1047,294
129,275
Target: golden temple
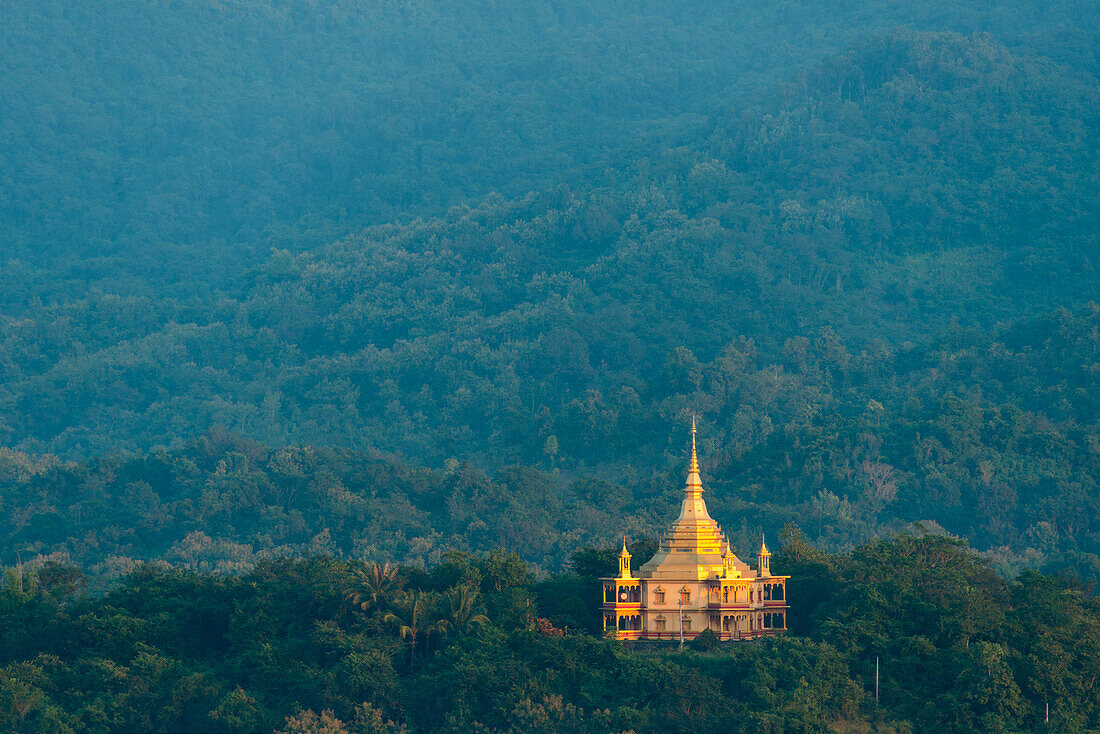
x,y
694,582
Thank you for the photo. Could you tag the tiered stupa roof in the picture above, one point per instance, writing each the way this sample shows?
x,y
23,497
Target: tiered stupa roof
x,y
694,545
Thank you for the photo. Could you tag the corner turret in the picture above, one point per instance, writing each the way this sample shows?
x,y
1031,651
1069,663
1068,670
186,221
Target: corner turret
x,y
763,559
624,562
730,569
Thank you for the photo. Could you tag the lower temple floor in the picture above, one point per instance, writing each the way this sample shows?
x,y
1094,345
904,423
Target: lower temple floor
x,y
729,624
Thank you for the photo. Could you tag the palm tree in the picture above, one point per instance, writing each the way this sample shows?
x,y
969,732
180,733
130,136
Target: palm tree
x,y
462,609
415,621
374,584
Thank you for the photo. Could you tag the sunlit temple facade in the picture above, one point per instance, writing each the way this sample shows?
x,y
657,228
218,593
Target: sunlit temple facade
x,y
694,582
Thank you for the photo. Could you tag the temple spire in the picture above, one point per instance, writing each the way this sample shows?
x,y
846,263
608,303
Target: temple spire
x,y
694,457
694,486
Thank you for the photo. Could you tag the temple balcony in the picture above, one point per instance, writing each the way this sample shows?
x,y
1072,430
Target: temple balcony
x,y
612,606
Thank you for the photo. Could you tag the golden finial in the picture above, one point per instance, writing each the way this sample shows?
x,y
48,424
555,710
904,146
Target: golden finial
x,y
763,545
693,487
694,458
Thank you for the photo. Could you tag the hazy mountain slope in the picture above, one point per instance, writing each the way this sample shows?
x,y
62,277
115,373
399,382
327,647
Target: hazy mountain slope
x,y
839,208
855,274
152,133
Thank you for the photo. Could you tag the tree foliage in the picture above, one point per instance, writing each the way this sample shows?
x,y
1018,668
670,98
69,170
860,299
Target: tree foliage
x,y
280,648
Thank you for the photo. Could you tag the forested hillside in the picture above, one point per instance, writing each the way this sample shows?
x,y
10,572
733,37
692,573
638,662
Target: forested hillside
x,y
386,279
137,133
991,437
293,291
475,644
458,335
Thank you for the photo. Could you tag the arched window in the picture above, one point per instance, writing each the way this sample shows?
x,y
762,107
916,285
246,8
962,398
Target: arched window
x,y
660,623
685,595
622,623
659,595
687,624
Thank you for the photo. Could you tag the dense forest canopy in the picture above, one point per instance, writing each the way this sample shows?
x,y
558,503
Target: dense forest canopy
x,y
320,646
138,133
291,291
871,198
864,256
